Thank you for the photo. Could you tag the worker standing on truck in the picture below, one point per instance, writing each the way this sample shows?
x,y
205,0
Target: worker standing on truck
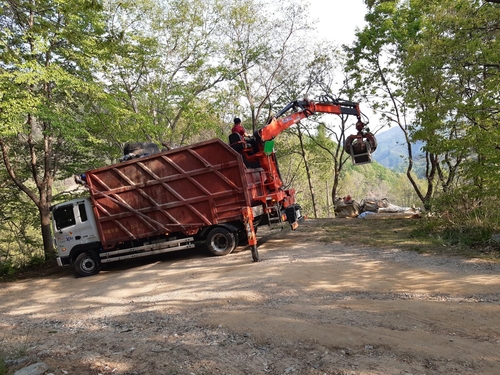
x,y
238,128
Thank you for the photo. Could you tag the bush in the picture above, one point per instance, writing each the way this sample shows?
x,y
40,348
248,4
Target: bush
x,y
3,365
7,268
36,260
464,221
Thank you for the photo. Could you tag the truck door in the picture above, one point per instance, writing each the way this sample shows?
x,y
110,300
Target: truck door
x,y
86,223
64,228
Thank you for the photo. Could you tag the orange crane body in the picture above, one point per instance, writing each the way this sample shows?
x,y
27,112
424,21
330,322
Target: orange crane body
x,y
257,153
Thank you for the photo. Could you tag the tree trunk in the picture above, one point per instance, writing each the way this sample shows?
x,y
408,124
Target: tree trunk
x,y
335,187
48,245
308,171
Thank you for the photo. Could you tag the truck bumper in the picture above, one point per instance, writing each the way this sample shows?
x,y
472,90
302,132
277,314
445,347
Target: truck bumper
x,y
63,261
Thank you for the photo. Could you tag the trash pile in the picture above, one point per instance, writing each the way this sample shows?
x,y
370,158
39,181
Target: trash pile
x,y
141,149
346,207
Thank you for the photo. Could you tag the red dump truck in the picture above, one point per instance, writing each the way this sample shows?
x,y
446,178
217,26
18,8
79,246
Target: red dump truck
x,y
210,193
165,202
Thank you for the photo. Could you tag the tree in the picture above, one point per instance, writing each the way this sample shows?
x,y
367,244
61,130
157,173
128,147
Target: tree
x,y
46,85
165,69
455,61
19,237
438,63
376,62
331,135
264,53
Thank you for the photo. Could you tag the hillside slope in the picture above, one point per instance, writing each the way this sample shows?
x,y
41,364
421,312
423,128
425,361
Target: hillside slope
x,y
392,151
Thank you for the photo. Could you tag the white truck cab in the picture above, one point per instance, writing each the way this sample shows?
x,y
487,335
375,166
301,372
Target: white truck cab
x,y
76,238
74,227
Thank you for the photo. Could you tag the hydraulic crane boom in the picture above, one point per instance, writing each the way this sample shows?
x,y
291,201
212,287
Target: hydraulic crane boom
x,y
360,146
303,109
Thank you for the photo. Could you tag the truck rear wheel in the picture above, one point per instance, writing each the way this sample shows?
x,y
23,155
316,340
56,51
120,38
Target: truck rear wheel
x,y
220,241
87,264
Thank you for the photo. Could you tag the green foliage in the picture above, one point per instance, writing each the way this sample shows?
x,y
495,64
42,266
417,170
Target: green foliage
x,y
438,80
465,221
36,261
7,268
47,85
367,180
20,242
163,71
470,81
468,238
452,68
3,366
361,181
263,52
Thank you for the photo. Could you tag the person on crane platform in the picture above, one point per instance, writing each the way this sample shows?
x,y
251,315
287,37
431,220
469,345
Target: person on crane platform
x,y
245,137
240,140
238,128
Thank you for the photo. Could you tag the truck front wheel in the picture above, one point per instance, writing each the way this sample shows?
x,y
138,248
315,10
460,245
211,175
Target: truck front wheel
x,y
220,241
86,264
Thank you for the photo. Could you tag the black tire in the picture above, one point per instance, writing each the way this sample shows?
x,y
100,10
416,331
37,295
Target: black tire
x,y
87,264
220,241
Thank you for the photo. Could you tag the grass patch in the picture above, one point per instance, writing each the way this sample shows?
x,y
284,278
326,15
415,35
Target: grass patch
x,y
36,270
420,235
9,353
3,365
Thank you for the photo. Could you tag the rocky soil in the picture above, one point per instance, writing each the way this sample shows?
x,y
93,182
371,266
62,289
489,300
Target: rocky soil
x,y
314,305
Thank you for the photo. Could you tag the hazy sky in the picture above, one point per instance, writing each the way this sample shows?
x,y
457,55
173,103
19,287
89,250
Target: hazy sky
x,y
338,19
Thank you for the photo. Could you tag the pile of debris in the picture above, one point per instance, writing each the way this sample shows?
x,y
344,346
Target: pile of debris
x,y
141,149
371,208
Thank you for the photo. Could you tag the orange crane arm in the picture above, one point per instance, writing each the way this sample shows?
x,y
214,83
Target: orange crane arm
x,y
305,108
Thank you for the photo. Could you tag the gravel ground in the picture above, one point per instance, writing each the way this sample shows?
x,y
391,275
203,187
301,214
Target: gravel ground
x,y
309,307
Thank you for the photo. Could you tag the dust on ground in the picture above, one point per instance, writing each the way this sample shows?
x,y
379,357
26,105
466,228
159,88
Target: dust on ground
x,y
318,303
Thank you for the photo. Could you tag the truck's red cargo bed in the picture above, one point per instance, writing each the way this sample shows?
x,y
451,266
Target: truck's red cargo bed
x,y
180,190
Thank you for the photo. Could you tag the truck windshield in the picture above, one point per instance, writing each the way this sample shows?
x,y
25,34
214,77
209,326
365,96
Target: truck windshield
x,y
64,216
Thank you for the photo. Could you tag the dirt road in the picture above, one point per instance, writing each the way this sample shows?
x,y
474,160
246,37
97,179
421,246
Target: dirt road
x,y
311,306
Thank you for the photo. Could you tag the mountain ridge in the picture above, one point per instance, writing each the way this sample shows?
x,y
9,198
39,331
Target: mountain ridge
x,y
392,151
